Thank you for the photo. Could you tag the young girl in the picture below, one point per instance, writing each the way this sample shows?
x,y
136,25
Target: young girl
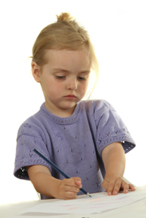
x,y
85,139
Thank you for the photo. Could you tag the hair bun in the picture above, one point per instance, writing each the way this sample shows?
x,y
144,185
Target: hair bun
x,y
64,17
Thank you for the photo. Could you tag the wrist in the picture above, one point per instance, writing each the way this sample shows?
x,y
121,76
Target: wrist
x,y
109,176
55,188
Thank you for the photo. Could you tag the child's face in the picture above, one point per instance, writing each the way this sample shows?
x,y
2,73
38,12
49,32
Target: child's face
x,y
64,80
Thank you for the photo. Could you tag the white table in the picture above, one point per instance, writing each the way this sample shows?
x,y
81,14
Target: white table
x,y
134,210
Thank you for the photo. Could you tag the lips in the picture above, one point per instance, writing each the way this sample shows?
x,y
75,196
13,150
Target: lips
x,y
70,96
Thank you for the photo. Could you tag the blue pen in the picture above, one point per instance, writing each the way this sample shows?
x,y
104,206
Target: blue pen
x,y
55,167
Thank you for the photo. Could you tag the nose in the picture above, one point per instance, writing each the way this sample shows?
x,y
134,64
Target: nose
x,y
72,84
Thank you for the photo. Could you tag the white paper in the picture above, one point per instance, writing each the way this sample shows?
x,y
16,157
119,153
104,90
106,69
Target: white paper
x,y
99,202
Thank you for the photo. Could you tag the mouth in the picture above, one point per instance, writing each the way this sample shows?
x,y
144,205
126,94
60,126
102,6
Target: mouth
x,y
70,96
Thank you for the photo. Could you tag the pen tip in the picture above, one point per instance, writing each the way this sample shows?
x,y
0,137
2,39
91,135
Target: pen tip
x,y
89,195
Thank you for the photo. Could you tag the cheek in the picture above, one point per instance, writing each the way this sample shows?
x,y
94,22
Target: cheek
x,y
55,88
85,86
83,89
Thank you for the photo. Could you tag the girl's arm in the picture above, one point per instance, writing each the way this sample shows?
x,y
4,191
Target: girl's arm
x,y
49,186
114,162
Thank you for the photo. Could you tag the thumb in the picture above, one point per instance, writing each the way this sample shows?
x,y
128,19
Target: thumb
x,y
78,182
105,184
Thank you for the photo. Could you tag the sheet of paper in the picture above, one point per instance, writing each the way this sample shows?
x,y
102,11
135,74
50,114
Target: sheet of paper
x,y
99,202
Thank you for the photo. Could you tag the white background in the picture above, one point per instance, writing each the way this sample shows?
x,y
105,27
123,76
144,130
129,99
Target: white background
x,y
118,32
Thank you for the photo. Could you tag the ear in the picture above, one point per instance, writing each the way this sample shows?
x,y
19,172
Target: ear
x,y
35,71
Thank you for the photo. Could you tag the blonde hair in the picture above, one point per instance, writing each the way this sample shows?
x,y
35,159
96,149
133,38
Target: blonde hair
x,y
63,34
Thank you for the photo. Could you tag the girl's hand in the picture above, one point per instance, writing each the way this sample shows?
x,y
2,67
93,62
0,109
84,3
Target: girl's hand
x,y
68,188
114,184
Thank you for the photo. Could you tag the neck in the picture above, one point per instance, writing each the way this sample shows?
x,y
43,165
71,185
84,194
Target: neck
x,y
60,112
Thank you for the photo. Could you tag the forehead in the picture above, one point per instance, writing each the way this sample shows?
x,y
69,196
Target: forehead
x,y
67,59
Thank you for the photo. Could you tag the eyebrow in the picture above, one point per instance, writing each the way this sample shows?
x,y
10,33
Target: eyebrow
x,y
66,71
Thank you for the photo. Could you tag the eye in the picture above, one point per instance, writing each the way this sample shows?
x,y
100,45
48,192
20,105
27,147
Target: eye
x,y
60,77
81,78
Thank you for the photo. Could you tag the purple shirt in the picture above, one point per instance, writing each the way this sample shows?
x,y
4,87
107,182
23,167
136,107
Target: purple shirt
x,y
74,143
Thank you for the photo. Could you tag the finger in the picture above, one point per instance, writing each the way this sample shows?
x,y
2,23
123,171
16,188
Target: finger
x,y
71,189
70,182
125,187
105,184
120,184
110,187
70,186
78,181
132,187
70,195
114,186
67,191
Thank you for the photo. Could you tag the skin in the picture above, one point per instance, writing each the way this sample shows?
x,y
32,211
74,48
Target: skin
x,y
113,157
66,73
64,81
